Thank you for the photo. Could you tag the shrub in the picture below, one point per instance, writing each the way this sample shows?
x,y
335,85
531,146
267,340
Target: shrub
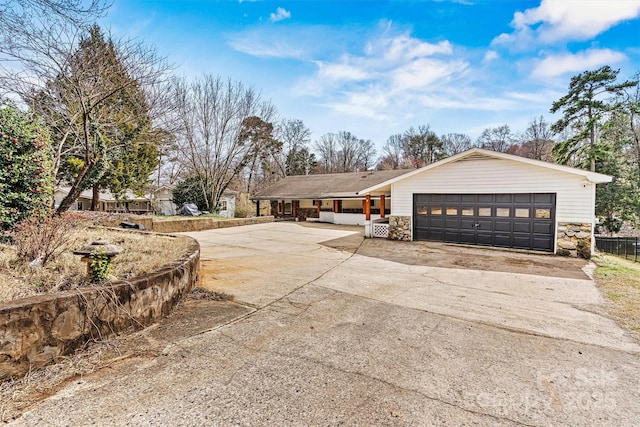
x,y
46,238
26,172
244,206
189,191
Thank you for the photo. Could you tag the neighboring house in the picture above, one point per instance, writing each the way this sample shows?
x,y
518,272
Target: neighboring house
x,y
159,201
476,197
162,202
227,204
108,203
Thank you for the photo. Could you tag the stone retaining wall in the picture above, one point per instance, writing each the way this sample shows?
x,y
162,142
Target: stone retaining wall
x,y
574,239
207,223
40,330
400,228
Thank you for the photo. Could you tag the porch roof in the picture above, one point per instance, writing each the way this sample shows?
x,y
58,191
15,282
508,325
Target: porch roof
x,y
327,186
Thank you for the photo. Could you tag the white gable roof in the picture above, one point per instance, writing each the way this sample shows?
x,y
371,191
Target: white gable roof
x,y
479,153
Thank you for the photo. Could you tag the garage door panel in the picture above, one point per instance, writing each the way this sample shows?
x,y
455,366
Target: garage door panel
x,y
502,225
485,238
522,227
519,220
452,223
542,228
467,224
503,240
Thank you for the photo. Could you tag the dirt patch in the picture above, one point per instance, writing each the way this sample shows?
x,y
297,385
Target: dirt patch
x,y
436,254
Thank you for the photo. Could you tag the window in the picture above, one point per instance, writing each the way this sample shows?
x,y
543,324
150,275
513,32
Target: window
x,y
484,211
503,212
543,213
436,211
79,206
522,212
467,211
452,211
223,205
421,209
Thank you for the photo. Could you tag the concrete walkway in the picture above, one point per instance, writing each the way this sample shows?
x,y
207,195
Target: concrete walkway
x,y
328,337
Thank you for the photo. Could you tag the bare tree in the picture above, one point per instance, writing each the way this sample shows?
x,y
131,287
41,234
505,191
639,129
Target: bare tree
x,y
454,143
537,140
344,152
422,146
210,113
295,138
392,153
498,139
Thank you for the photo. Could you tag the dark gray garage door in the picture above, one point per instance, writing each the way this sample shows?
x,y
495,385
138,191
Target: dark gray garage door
x,y
523,221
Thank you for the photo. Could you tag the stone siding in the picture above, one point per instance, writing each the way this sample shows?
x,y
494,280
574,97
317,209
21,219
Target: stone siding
x,y
304,213
574,239
41,330
400,228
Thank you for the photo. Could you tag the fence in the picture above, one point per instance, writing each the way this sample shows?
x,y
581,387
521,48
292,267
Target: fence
x,y
626,247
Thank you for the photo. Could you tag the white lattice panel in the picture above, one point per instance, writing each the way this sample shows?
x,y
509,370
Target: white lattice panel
x,y
381,230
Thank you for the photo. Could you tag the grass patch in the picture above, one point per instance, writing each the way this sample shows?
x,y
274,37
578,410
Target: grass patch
x,y
619,280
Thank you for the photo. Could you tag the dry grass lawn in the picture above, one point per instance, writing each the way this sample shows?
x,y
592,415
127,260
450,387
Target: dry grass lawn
x,y
619,280
142,253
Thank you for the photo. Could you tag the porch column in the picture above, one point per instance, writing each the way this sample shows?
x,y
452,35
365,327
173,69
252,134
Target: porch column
x,y
294,208
257,207
319,203
282,208
367,207
382,206
335,207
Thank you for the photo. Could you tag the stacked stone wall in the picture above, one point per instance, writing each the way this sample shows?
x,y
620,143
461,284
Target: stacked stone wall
x,y
400,228
41,330
574,239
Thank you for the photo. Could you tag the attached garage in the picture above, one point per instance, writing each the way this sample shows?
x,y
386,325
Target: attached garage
x,y
517,220
481,197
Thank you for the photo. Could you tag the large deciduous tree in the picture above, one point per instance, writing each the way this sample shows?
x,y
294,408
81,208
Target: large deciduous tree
x,y
537,140
294,158
344,152
584,109
211,115
498,139
422,146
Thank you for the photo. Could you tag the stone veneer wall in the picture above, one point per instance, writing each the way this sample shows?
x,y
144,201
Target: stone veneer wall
x,y
40,330
304,213
177,225
574,239
400,228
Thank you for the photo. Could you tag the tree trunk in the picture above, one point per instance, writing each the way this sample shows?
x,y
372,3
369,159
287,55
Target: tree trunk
x,y
95,198
74,191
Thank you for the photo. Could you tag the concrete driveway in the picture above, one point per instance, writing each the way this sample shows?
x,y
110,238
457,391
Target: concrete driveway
x,y
324,336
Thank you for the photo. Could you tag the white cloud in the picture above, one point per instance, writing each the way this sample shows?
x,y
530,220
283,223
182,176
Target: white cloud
x,y
280,15
557,65
490,56
561,20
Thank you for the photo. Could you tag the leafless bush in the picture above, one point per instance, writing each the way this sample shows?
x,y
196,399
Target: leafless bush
x,y
42,239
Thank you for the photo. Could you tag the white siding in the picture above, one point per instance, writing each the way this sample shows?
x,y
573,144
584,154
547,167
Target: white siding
x,y
574,200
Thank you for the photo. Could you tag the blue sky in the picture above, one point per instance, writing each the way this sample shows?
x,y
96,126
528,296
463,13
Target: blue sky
x,y
376,68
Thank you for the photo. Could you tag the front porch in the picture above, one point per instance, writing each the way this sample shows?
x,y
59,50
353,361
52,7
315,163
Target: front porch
x,y
362,211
